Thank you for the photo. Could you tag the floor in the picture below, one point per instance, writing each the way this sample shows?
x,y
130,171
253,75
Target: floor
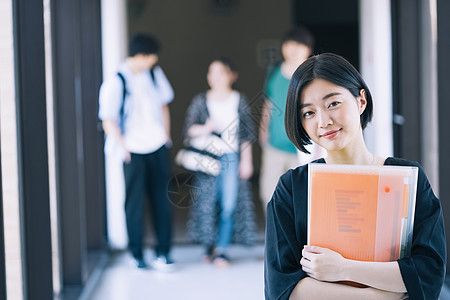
x,y
194,279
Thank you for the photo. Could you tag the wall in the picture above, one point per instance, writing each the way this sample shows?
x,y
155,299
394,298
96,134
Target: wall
x,y
9,170
376,69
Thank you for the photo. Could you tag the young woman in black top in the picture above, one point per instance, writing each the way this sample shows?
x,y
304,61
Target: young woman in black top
x,y
329,103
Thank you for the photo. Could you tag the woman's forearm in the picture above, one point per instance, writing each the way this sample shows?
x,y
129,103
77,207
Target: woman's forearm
x,y
380,275
329,266
309,288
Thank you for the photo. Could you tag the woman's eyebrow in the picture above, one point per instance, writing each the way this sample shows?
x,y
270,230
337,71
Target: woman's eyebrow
x,y
330,95
304,105
324,98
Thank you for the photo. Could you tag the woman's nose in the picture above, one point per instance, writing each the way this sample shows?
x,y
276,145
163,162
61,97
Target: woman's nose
x,y
324,119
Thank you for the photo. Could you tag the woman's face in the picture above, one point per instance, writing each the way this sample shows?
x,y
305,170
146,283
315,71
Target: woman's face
x,y
331,114
220,76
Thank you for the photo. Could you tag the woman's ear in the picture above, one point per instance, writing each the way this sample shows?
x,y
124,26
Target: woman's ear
x,y
362,101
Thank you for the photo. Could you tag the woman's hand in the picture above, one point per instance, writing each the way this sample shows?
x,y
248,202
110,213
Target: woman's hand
x,y
323,264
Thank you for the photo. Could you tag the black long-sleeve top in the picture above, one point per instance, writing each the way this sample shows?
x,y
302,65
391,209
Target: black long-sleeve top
x,y
423,272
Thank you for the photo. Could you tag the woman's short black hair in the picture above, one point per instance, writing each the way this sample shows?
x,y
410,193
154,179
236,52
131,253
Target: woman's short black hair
x,y
142,43
330,67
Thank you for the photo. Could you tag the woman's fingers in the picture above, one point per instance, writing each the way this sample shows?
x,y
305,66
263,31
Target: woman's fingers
x,y
314,249
322,263
305,262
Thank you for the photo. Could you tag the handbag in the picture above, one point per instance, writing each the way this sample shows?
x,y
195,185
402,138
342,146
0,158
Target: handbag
x,y
201,154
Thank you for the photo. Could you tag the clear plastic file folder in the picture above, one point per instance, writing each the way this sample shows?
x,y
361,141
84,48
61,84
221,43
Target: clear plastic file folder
x,y
362,212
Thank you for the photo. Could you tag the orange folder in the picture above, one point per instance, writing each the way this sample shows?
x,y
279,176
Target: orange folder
x,y
364,213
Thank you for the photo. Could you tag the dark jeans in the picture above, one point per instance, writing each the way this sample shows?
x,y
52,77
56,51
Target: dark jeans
x,y
148,173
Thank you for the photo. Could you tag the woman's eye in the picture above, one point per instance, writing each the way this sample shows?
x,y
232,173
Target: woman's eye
x,y
308,114
334,103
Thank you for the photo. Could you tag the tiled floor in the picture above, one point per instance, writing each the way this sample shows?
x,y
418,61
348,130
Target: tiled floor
x,y
243,279
193,280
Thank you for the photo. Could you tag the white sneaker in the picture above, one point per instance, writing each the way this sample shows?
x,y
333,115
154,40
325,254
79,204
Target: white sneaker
x,y
163,263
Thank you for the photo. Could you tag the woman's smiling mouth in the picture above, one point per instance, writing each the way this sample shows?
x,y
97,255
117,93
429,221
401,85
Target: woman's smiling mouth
x,y
330,134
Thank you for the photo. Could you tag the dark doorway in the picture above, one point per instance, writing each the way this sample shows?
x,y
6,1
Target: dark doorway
x,y
406,60
334,24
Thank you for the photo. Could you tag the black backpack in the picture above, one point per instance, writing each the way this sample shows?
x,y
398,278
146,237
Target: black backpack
x,y
125,93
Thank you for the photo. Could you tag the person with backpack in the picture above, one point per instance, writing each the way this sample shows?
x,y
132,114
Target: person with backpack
x,y
135,113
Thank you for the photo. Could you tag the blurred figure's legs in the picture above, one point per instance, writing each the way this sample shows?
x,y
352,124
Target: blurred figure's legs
x,y
228,183
158,169
134,172
274,164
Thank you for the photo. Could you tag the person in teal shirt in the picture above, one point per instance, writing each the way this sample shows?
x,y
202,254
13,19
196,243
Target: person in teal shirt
x,y
278,152
276,92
